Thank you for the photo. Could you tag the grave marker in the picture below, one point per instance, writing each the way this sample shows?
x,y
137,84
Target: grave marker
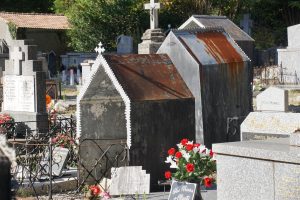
x,y
182,190
272,99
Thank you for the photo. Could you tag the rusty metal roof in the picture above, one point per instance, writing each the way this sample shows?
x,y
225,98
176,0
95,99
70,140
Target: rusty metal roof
x,y
231,28
148,76
211,46
36,21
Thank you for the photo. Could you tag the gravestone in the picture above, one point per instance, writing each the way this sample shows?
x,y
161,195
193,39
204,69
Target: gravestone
x,y
289,58
153,37
216,71
86,70
129,181
183,190
124,44
262,170
24,87
272,99
116,105
269,125
59,158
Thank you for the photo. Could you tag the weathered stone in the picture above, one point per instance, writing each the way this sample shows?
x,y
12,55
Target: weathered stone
x,y
152,40
295,138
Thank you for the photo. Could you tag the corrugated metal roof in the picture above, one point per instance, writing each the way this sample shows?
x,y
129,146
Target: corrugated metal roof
x,y
148,76
231,28
211,46
37,21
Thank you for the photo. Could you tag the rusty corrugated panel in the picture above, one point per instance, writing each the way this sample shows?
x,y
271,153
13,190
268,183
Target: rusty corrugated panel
x,y
148,77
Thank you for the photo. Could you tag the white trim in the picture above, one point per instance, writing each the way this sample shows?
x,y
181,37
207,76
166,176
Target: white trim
x,y
191,19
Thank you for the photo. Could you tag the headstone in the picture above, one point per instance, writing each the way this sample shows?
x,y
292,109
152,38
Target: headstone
x,y
153,37
63,76
59,158
246,23
266,170
182,190
269,125
123,94
24,87
124,44
272,99
72,77
289,58
129,181
78,76
86,70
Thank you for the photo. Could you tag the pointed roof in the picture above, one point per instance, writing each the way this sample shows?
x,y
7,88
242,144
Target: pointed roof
x,y
36,20
148,76
205,21
211,46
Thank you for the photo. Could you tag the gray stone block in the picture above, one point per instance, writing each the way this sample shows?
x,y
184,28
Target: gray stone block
x,y
295,139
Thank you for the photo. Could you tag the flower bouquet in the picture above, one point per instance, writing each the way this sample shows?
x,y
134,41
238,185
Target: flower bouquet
x,y
192,162
94,192
6,124
63,141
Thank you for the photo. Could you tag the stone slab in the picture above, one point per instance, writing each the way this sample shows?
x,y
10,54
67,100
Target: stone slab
x,y
261,136
295,138
129,180
272,99
242,178
294,36
270,123
274,149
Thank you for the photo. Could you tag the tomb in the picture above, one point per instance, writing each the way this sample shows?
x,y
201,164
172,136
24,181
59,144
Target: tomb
x,y
138,100
216,71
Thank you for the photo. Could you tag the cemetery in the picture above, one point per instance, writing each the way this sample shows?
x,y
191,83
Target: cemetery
x,y
98,104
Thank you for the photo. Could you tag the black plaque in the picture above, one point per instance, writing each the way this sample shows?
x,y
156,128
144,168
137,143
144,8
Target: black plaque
x,y
182,191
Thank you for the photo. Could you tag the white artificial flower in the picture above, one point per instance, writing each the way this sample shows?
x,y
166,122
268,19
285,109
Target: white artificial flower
x,y
202,148
190,142
186,155
196,149
180,146
173,165
169,159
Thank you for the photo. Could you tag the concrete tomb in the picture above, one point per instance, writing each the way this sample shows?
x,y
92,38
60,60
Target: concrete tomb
x,y
269,125
272,99
138,100
261,170
24,86
216,71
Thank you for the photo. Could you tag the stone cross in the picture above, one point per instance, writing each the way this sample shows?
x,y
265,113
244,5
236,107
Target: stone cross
x,y
246,24
100,49
153,7
17,56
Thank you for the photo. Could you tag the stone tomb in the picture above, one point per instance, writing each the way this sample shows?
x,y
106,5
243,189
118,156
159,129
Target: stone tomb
x,y
129,180
216,71
24,86
137,99
260,170
272,99
268,125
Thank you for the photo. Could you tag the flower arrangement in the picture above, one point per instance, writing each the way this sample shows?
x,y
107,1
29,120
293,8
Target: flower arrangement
x,y
94,192
7,123
193,163
63,140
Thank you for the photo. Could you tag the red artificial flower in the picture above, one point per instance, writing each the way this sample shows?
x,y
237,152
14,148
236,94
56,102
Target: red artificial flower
x,y
211,153
184,141
178,154
208,182
197,145
171,151
189,167
168,174
95,190
189,147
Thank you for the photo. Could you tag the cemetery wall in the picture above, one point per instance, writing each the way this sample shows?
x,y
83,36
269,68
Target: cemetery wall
x,y
4,33
156,127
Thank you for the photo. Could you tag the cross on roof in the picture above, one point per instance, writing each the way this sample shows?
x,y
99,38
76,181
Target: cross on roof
x,y
17,56
153,7
100,49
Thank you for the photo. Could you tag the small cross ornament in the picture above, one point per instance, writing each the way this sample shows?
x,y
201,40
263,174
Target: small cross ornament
x,y
153,7
100,49
17,56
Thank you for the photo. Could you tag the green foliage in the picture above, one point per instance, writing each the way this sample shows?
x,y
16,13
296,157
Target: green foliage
x,y
62,6
13,30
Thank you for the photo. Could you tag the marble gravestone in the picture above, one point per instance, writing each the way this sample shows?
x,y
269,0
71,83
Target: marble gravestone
x,y
124,44
262,170
129,180
272,99
269,125
24,86
86,70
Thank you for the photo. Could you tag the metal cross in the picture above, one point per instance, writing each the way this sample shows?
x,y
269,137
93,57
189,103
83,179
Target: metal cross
x,y
153,7
17,56
100,49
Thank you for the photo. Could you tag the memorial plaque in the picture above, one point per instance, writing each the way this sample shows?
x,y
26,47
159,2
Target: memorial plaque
x,y
287,181
182,190
261,136
59,158
129,180
272,99
19,93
